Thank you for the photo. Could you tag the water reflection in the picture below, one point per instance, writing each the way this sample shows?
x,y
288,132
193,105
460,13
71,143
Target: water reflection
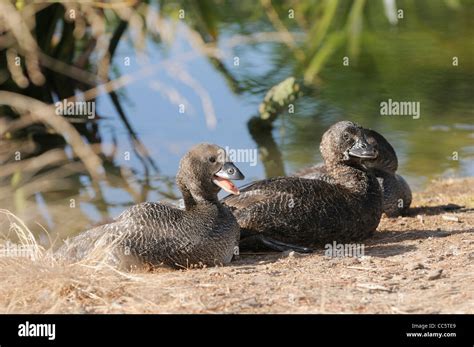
x,y
141,133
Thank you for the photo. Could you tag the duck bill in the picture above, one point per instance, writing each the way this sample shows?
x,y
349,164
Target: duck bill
x,y
362,149
223,178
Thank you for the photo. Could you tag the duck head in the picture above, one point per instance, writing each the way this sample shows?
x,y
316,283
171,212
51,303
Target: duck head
x,y
346,143
387,157
205,170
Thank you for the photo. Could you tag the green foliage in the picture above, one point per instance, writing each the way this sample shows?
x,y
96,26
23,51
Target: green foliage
x,y
278,98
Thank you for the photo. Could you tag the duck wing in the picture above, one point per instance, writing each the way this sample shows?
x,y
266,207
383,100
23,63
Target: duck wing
x,y
257,192
147,211
285,204
143,224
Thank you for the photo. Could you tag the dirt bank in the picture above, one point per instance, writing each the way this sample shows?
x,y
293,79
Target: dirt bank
x,y
422,263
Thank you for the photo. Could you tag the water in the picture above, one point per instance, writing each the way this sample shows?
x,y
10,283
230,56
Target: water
x,y
409,62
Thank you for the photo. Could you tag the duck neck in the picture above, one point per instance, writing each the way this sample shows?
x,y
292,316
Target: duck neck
x,y
195,199
354,178
189,201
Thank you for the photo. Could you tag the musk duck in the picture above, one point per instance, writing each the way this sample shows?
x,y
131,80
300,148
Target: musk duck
x,y
299,213
205,232
397,195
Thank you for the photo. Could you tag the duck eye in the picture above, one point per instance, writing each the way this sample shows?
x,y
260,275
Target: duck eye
x,y
212,159
346,136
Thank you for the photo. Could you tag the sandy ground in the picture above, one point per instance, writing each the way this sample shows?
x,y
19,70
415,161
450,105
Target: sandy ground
x,y
421,263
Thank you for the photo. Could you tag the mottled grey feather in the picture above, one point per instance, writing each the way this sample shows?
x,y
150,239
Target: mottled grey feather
x,y
344,205
206,232
397,195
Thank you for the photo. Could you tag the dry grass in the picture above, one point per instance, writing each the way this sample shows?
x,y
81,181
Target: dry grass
x,y
422,263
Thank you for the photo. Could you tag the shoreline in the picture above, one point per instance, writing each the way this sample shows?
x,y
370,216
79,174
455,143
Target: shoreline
x,y
420,263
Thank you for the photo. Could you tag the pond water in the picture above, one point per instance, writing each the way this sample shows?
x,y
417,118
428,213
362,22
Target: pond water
x,y
407,62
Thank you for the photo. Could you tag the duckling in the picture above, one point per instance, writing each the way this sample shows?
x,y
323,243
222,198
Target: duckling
x,y
397,195
204,233
298,213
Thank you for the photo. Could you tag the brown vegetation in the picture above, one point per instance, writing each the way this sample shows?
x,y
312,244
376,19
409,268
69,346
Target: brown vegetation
x,y
421,263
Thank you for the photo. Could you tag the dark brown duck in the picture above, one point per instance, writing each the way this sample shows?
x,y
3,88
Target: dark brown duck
x,y
397,195
294,213
205,232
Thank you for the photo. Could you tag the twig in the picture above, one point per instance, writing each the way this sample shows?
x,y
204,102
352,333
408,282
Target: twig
x,y
46,114
278,24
